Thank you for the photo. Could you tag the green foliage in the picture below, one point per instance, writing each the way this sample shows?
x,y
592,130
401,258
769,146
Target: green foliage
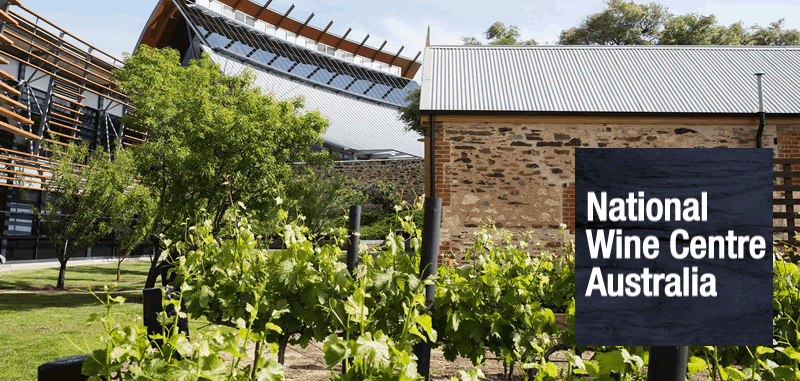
x,y
696,29
409,114
500,34
621,23
83,199
495,302
375,225
628,23
384,195
214,139
321,195
774,35
130,354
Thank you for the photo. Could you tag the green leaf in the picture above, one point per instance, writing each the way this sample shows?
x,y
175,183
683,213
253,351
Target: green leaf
x,y
696,364
374,350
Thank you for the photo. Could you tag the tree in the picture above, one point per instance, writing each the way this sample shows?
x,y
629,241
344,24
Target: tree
x,y
499,34
627,23
214,140
621,23
320,195
696,29
774,35
138,208
82,200
409,114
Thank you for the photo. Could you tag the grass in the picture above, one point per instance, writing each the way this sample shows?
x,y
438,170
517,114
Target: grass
x,y
37,327
132,277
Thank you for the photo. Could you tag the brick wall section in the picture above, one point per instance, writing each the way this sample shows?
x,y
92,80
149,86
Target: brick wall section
x,y
519,174
568,206
406,174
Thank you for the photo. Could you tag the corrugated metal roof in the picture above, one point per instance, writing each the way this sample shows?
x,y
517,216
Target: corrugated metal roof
x,y
640,79
355,123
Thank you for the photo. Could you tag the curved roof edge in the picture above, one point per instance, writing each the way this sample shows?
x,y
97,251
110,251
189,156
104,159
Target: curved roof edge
x,y
165,10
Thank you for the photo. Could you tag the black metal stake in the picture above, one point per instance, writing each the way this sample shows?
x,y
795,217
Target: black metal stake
x,y
152,305
355,227
427,268
668,363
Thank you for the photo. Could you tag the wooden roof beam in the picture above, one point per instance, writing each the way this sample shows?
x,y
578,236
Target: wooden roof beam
x,y
278,24
324,31
396,55
262,9
236,4
305,23
410,64
343,38
362,44
379,50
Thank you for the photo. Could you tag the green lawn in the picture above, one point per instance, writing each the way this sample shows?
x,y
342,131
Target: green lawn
x,y
37,327
132,277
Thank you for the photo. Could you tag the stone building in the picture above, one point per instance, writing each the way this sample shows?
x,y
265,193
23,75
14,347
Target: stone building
x,y
507,120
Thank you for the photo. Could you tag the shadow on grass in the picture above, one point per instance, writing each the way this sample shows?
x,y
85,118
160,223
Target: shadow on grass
x,y
35,301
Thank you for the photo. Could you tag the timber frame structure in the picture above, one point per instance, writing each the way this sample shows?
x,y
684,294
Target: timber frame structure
x,y
55,88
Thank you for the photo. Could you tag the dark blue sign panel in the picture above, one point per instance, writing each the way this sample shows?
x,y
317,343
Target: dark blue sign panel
x,y
673,247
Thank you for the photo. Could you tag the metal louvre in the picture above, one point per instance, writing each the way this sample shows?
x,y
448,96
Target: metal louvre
x,y
357,125
624,79
223,33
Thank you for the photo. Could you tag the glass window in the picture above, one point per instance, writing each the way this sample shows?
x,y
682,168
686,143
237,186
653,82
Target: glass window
x,y
227,11
205,3
349,56
262,26
395,70
216,7
290,36
311,44
340,53
301,40
280,33
330,50
249,20
321,47
239,16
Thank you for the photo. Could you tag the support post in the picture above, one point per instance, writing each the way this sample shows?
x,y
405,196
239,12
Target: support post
x,y
355,228
667,363
427,268
152,305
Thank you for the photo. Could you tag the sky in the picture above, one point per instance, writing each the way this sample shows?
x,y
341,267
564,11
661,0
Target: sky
x,y
115,25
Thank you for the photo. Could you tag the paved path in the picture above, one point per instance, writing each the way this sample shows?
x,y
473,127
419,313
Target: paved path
x,y
50,263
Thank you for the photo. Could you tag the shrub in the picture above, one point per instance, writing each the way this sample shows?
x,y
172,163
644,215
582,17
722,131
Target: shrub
x,y
384,195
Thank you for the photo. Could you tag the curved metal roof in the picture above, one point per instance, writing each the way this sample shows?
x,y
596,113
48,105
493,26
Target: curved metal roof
x,y
356,125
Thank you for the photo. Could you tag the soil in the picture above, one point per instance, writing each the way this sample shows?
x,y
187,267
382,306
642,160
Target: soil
x,y
308,364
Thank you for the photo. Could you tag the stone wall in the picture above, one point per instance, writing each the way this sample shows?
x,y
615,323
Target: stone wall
x,y
521,175
406,174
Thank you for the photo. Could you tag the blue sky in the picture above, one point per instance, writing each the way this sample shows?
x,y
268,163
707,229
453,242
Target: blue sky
x,y
115,25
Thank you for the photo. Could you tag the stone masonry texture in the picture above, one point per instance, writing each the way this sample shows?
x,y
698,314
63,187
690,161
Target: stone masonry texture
x,y
521,175
405,174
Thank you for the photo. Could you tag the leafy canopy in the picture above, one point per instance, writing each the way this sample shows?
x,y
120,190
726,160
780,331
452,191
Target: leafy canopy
x,y
500,34
83,199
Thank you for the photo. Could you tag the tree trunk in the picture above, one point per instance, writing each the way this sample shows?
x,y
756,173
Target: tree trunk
x,y
282,343
119,264
61,272
154,272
